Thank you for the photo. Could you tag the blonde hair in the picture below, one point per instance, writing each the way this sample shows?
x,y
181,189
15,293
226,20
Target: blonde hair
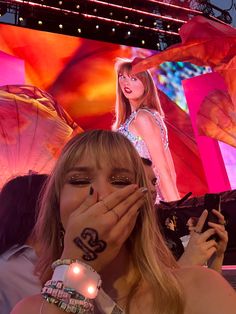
x,y
152,259
149,99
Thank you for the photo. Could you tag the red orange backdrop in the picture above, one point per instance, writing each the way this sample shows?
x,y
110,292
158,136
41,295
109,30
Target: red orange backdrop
x,y
79,74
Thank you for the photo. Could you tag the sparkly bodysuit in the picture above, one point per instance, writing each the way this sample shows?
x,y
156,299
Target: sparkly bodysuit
x,y
139,143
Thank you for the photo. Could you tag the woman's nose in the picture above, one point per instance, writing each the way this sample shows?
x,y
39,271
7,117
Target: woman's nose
x,y
103,189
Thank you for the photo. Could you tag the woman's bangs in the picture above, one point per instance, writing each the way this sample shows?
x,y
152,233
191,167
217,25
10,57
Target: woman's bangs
x,y
119,158
124,67
109,147
114,153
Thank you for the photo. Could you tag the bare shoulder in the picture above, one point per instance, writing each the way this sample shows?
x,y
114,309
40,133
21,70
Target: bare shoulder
x,y
205,289
144,114
29,305
145,121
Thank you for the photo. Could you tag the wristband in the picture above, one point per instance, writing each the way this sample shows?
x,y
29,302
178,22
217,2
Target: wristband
x,y
79,277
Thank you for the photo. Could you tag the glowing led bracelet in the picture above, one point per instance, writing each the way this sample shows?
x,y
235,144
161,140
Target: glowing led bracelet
x,y
80,277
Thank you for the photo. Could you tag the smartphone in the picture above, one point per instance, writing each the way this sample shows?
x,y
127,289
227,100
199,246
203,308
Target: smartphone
x,y
211,201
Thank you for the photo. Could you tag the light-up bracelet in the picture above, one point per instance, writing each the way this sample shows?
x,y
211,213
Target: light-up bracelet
x,y
77,276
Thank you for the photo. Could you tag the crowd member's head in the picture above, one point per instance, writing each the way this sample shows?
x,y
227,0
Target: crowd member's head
x,y
170,222
18,209
107,162
133,91
191,223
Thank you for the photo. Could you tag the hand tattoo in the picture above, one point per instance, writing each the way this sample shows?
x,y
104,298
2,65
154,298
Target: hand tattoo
x,y
91,245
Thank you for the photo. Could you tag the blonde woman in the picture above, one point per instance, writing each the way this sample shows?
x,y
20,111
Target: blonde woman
x,y
140,118
97,193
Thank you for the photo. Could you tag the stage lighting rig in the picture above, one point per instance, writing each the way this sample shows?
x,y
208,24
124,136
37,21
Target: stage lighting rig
x,y
149,24
3,9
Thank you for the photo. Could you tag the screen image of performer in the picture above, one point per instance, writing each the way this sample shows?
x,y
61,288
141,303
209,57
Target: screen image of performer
x,y
140,118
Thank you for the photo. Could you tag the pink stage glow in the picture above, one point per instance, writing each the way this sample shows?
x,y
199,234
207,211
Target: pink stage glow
x,y
229,156
195,91
12,70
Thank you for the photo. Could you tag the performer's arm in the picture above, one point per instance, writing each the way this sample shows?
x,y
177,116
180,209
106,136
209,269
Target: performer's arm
x,y
145,126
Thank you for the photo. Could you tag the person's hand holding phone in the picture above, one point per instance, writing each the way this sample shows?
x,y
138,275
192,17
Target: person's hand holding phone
x,y
199,250
220,232
202,246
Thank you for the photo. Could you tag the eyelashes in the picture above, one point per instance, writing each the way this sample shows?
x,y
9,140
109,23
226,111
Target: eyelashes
x,y
121,180
118,180
74,180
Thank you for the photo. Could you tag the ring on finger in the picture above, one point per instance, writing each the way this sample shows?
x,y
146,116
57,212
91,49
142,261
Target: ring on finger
x,y
115,213
223,223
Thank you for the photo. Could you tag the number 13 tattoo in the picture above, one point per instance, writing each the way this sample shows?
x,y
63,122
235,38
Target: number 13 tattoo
x,y
90,244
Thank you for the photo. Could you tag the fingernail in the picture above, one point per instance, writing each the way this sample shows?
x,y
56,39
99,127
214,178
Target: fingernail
x,y
91,190
143,190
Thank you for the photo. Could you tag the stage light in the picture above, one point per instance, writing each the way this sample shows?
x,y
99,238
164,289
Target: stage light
x,y
126,17
21,19
79,30
60,2
60,26
78,6
95,10
141,20
143,42
129,33
113,29
97,26
111,13
40,22
155,23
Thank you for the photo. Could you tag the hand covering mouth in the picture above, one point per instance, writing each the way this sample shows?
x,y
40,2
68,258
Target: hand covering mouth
x,y
127,90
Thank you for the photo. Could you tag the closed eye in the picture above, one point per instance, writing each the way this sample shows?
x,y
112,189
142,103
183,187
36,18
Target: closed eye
x,y
120,180
79,181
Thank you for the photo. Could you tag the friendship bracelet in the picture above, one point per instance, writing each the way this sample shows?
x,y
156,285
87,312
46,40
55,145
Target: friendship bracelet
x,y
78,309
53,287
71,302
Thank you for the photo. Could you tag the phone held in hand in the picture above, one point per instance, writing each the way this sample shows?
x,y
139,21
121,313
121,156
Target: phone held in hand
x,y
211,201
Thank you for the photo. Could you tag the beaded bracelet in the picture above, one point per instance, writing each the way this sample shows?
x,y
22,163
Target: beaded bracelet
x,y
69,308
56,287
59,285
69,301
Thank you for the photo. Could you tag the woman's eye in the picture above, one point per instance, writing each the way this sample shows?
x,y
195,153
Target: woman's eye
x,y
133,78
79,181
121,181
